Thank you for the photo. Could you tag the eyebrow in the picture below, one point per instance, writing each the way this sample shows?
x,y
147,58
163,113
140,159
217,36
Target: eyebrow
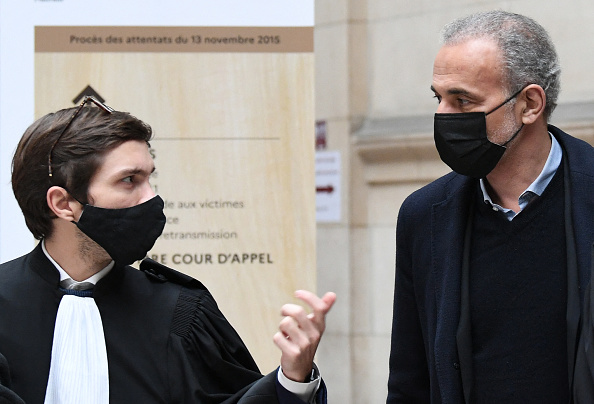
x,y
454,91
133,171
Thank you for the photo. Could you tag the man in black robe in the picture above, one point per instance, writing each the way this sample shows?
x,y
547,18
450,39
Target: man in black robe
x,y
78,324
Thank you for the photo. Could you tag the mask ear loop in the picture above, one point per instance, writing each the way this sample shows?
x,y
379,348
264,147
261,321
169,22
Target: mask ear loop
x,y
508,100
77,200
502,104
74,197
513,136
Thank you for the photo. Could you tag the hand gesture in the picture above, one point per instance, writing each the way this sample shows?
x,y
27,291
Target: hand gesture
x,y
300,333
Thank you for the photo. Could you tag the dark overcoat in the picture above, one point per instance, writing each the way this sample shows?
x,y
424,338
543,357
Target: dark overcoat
x,y
424,364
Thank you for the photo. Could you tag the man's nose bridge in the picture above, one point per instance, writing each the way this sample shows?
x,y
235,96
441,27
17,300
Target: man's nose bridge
x,y
147,192
445,108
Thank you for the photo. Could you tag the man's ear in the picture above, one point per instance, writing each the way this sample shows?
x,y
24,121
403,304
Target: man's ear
x,y
533,102
63,204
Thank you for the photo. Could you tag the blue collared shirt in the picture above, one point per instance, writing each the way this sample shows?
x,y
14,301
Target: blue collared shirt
x,y
536,188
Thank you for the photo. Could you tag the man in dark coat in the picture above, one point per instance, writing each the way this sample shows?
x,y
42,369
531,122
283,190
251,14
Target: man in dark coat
x,y
492,260
78,324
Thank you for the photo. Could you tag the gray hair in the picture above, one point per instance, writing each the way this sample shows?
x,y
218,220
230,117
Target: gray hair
x,y
529,56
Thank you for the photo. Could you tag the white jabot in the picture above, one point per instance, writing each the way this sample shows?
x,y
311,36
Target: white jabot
x,y
78,370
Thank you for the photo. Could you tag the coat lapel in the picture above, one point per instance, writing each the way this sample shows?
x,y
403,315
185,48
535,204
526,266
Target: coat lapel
x,y
581,176
581,210
448,219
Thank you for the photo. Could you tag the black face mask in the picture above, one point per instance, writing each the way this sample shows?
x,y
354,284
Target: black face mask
x,y
462,143
126,234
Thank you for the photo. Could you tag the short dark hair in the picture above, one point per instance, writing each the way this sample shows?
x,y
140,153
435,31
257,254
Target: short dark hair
x,y
75,158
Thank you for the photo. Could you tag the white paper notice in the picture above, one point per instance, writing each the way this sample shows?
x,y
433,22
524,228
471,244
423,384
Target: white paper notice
x,y
327,186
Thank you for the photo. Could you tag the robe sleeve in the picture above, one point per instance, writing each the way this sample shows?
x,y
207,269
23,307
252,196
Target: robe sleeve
x,y
208,362
7,396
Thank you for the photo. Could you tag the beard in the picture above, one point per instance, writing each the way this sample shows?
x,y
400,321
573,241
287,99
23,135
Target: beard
x,y
91,252
509,127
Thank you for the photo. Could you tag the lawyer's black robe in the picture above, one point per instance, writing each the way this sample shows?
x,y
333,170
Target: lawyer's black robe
x,y
7,396
166,340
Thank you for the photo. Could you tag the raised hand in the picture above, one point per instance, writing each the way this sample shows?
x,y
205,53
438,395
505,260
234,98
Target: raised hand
x,y
300,333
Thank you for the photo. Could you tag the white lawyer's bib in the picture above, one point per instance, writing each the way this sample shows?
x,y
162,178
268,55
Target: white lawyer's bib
x,y
78,370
